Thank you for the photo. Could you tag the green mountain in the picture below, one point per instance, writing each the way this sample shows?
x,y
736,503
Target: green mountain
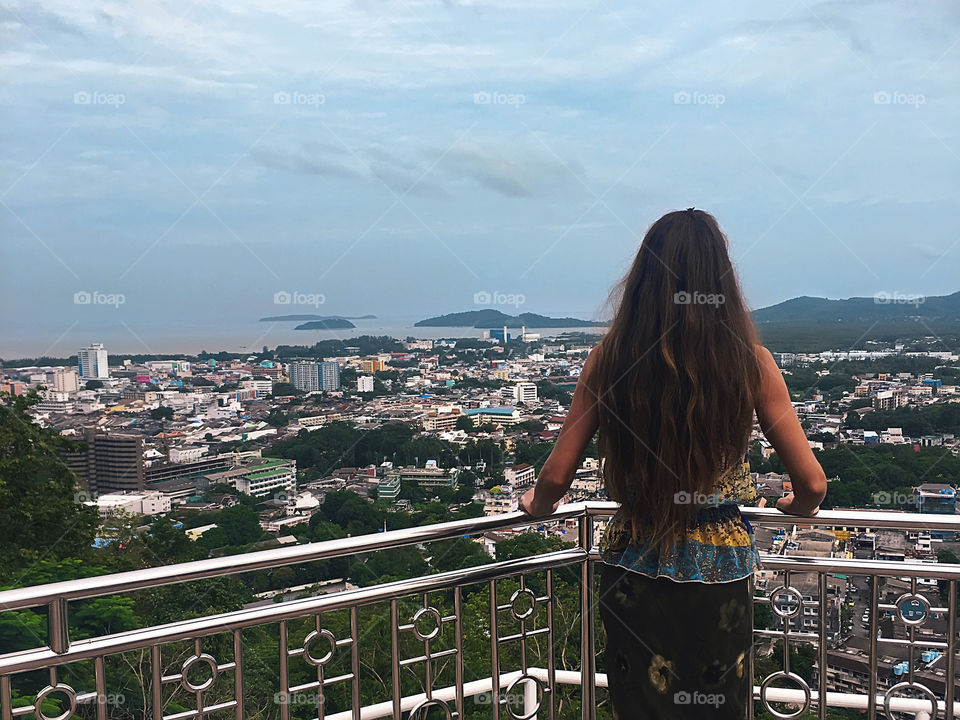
x,y
495,319
809,323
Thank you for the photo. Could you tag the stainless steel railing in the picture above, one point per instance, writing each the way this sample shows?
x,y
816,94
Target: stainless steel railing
x,y
538,684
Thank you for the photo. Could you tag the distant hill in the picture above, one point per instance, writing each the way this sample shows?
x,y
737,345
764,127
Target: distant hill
x,y
809,323
495,319
331,323
302,318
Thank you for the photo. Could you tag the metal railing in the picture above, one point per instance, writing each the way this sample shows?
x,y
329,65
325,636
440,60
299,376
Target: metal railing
x,y
523,680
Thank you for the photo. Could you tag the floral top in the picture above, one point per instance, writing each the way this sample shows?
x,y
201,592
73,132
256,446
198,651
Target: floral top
x,y
715,546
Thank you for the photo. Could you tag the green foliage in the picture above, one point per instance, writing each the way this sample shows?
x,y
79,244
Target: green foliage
x,y
163,412
40,517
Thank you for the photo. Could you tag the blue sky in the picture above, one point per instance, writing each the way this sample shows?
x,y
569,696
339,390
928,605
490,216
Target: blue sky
x,y
397,158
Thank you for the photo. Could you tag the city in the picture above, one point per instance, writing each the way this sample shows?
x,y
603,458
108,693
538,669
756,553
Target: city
x,y
257,452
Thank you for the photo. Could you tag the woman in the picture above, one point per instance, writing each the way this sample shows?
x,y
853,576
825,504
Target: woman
x,y
673,388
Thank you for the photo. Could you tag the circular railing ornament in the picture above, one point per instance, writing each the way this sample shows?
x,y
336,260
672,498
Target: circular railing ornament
x,y
789,592
907,685
419,616
541,691
189,663
309,640
70,693
917,609
785,676
420,711
515,600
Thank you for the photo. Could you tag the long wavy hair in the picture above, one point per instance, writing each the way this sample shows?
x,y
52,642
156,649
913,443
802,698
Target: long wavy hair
x,y
675,375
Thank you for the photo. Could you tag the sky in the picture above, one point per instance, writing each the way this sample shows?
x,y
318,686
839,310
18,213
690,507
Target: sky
x,y
190,166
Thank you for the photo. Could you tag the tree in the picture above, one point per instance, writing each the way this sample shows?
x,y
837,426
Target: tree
x,y
93,384
163,412
465,423
40,512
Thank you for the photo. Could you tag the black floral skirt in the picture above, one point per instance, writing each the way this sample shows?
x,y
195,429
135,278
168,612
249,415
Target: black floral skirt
x,y
676,650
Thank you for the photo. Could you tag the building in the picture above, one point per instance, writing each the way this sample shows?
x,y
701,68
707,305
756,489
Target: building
x,y
365,383
889,400
329,376
66,380
426,477
305,376
435,421
525,392
14,388
261,388
372,365
92,362
507,415
936,498
259,477
112,462
520,476
388,488
145,503
183,465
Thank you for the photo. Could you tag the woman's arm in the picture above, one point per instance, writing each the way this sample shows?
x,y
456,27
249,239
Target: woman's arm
x,y
780,425
578,428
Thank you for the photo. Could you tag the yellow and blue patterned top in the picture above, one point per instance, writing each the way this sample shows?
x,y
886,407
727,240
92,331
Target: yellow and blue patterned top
x,y
715,546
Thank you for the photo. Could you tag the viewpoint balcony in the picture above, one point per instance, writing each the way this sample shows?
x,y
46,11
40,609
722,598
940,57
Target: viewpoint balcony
x,y
516,638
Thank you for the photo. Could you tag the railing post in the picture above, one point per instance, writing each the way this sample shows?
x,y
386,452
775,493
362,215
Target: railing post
x,y
588,673
58,626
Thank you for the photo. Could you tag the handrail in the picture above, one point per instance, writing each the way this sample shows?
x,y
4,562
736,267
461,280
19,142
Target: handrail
x,y
88,648
97,586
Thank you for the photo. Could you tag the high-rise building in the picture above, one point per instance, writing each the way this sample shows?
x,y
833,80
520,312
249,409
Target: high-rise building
x,y
112,462
329,376
305,376
65,380
365,383
92,362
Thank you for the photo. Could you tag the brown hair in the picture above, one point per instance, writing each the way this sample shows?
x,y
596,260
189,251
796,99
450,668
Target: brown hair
x,y
675,375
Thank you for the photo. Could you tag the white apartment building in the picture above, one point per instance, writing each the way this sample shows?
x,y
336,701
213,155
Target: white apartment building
x,y
525,392
92,362
66,380
149,502
520,476
365,383
262,388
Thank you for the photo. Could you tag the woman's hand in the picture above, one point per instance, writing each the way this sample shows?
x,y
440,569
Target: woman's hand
x,y
789,506
530,504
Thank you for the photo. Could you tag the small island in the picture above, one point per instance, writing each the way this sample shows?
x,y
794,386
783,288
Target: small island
x,y
487,319
332,323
